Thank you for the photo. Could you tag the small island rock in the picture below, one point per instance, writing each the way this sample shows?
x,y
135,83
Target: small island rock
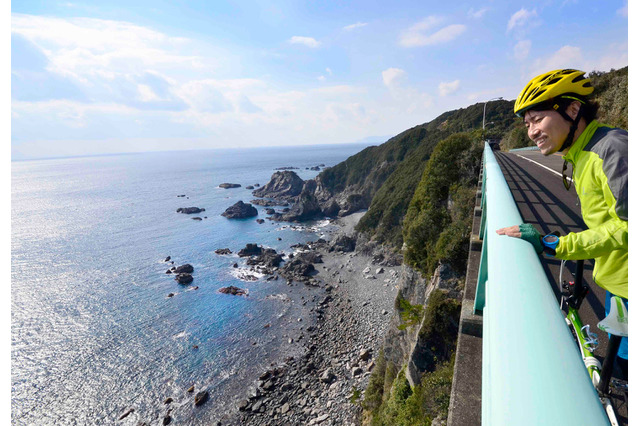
x,y
201,397
235,291
229,185
190,210
240,210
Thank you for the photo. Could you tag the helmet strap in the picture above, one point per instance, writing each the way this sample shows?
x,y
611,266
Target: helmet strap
x,y
574,126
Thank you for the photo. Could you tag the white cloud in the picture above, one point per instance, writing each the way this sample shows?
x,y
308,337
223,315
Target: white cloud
x,y
337,91
219,96
522,19
354,26
145,90
447,88
522,49
305,41
108,60
565,57
477,14
615,56
75,42
393,76
418,35
146,94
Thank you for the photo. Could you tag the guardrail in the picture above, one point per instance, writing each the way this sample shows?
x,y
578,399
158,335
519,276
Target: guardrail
x,y
527,148
532,370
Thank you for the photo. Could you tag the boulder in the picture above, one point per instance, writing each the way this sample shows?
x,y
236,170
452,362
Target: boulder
x,y
240,210
343,243
365,355
223,251
229,185
201,397
310,257
184,278
186,268
328,376
298,269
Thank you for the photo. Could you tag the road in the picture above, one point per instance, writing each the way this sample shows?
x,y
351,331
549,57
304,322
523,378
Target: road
x,y
536,185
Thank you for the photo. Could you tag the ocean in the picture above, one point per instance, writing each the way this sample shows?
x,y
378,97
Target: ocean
x,y
93,329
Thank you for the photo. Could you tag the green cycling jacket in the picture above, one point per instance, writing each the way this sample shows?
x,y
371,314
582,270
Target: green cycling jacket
x,y
600,158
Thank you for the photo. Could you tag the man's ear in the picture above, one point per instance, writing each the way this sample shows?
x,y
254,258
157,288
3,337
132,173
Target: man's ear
x,y
573,108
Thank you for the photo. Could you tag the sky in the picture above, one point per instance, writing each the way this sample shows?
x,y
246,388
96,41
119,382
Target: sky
x,y
121,76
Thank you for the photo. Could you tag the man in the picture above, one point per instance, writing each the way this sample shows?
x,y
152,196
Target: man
x,y
559,118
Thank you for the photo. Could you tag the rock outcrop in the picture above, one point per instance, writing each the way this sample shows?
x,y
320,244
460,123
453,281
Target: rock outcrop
x,y
284,185
268,257
250,249
420,345
240,210
235,291
305,208
186,268
184,278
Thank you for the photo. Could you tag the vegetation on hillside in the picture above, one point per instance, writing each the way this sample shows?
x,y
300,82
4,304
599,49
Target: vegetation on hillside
x,y
390,400
438,220
383,220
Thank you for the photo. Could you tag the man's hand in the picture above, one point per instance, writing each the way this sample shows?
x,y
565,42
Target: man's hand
x,y
527,232
510,231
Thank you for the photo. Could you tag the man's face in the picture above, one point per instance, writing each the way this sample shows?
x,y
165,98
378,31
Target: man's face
x,y
547,129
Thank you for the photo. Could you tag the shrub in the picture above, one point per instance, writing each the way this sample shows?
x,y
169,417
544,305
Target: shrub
x,y
452,166
410,315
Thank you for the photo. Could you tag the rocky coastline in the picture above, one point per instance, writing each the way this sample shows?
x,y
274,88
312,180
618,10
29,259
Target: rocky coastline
x,y
326,383
358,282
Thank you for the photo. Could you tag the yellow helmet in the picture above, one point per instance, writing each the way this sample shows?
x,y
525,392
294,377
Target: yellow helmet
x,y
567,83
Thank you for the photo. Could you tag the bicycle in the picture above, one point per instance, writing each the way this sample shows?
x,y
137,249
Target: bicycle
x,y
616,324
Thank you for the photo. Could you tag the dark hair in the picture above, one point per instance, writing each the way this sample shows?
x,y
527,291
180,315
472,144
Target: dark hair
x,y
589,107
590,111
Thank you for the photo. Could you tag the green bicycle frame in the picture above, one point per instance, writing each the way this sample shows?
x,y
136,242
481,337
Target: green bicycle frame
x,y
583,340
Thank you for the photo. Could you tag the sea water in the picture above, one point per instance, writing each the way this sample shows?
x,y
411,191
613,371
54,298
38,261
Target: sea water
x,y
93,329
